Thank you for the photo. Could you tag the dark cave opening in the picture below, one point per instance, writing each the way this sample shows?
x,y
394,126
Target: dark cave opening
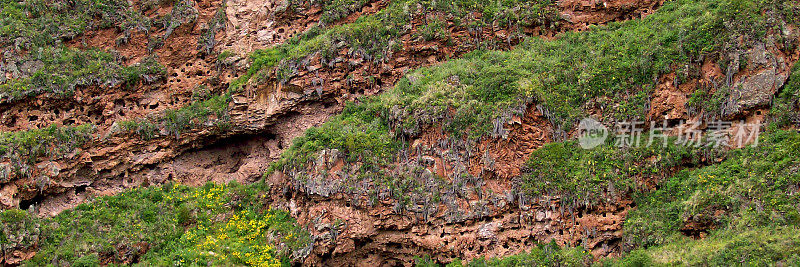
x,y
26,204
80,189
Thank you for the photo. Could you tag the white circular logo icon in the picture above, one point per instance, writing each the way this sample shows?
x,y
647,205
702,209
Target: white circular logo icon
x,y
591,133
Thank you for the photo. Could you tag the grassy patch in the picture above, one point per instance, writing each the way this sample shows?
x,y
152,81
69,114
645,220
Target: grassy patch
x,y
758,246
61,70
549,254
376,36
754,186
361,138
176,121
39,23
172,224
583,176
23,148
615,67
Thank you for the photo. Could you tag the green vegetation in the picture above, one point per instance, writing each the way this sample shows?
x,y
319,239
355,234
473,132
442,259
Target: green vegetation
x,y
177,121
361,138
582,176
745,205
759,246
34,31
213,224
38,23
27,25
549,254
24,148
753,187
743,202
786,105
61,70
613,66
375,37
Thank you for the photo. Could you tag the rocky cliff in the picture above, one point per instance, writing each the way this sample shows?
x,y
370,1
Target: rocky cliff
x,y
387,129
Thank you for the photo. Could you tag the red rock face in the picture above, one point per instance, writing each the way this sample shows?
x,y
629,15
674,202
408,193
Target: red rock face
x,y
17,257
348,235
270,112
486,217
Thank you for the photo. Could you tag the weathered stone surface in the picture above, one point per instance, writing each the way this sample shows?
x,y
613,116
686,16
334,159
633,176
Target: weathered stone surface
x,y
756,90
483,215
766,73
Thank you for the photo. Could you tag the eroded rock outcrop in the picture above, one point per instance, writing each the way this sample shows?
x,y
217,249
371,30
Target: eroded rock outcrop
x,y
114,159
466,202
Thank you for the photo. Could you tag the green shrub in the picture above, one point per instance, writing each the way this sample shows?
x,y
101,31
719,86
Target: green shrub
x,y
583,176
375,36
24,148
748,189
248,233
63,70
176,121
549,254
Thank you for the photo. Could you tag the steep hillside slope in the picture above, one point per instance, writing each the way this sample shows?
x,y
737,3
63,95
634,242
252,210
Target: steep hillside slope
x,y
433,166
190,95
340,133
